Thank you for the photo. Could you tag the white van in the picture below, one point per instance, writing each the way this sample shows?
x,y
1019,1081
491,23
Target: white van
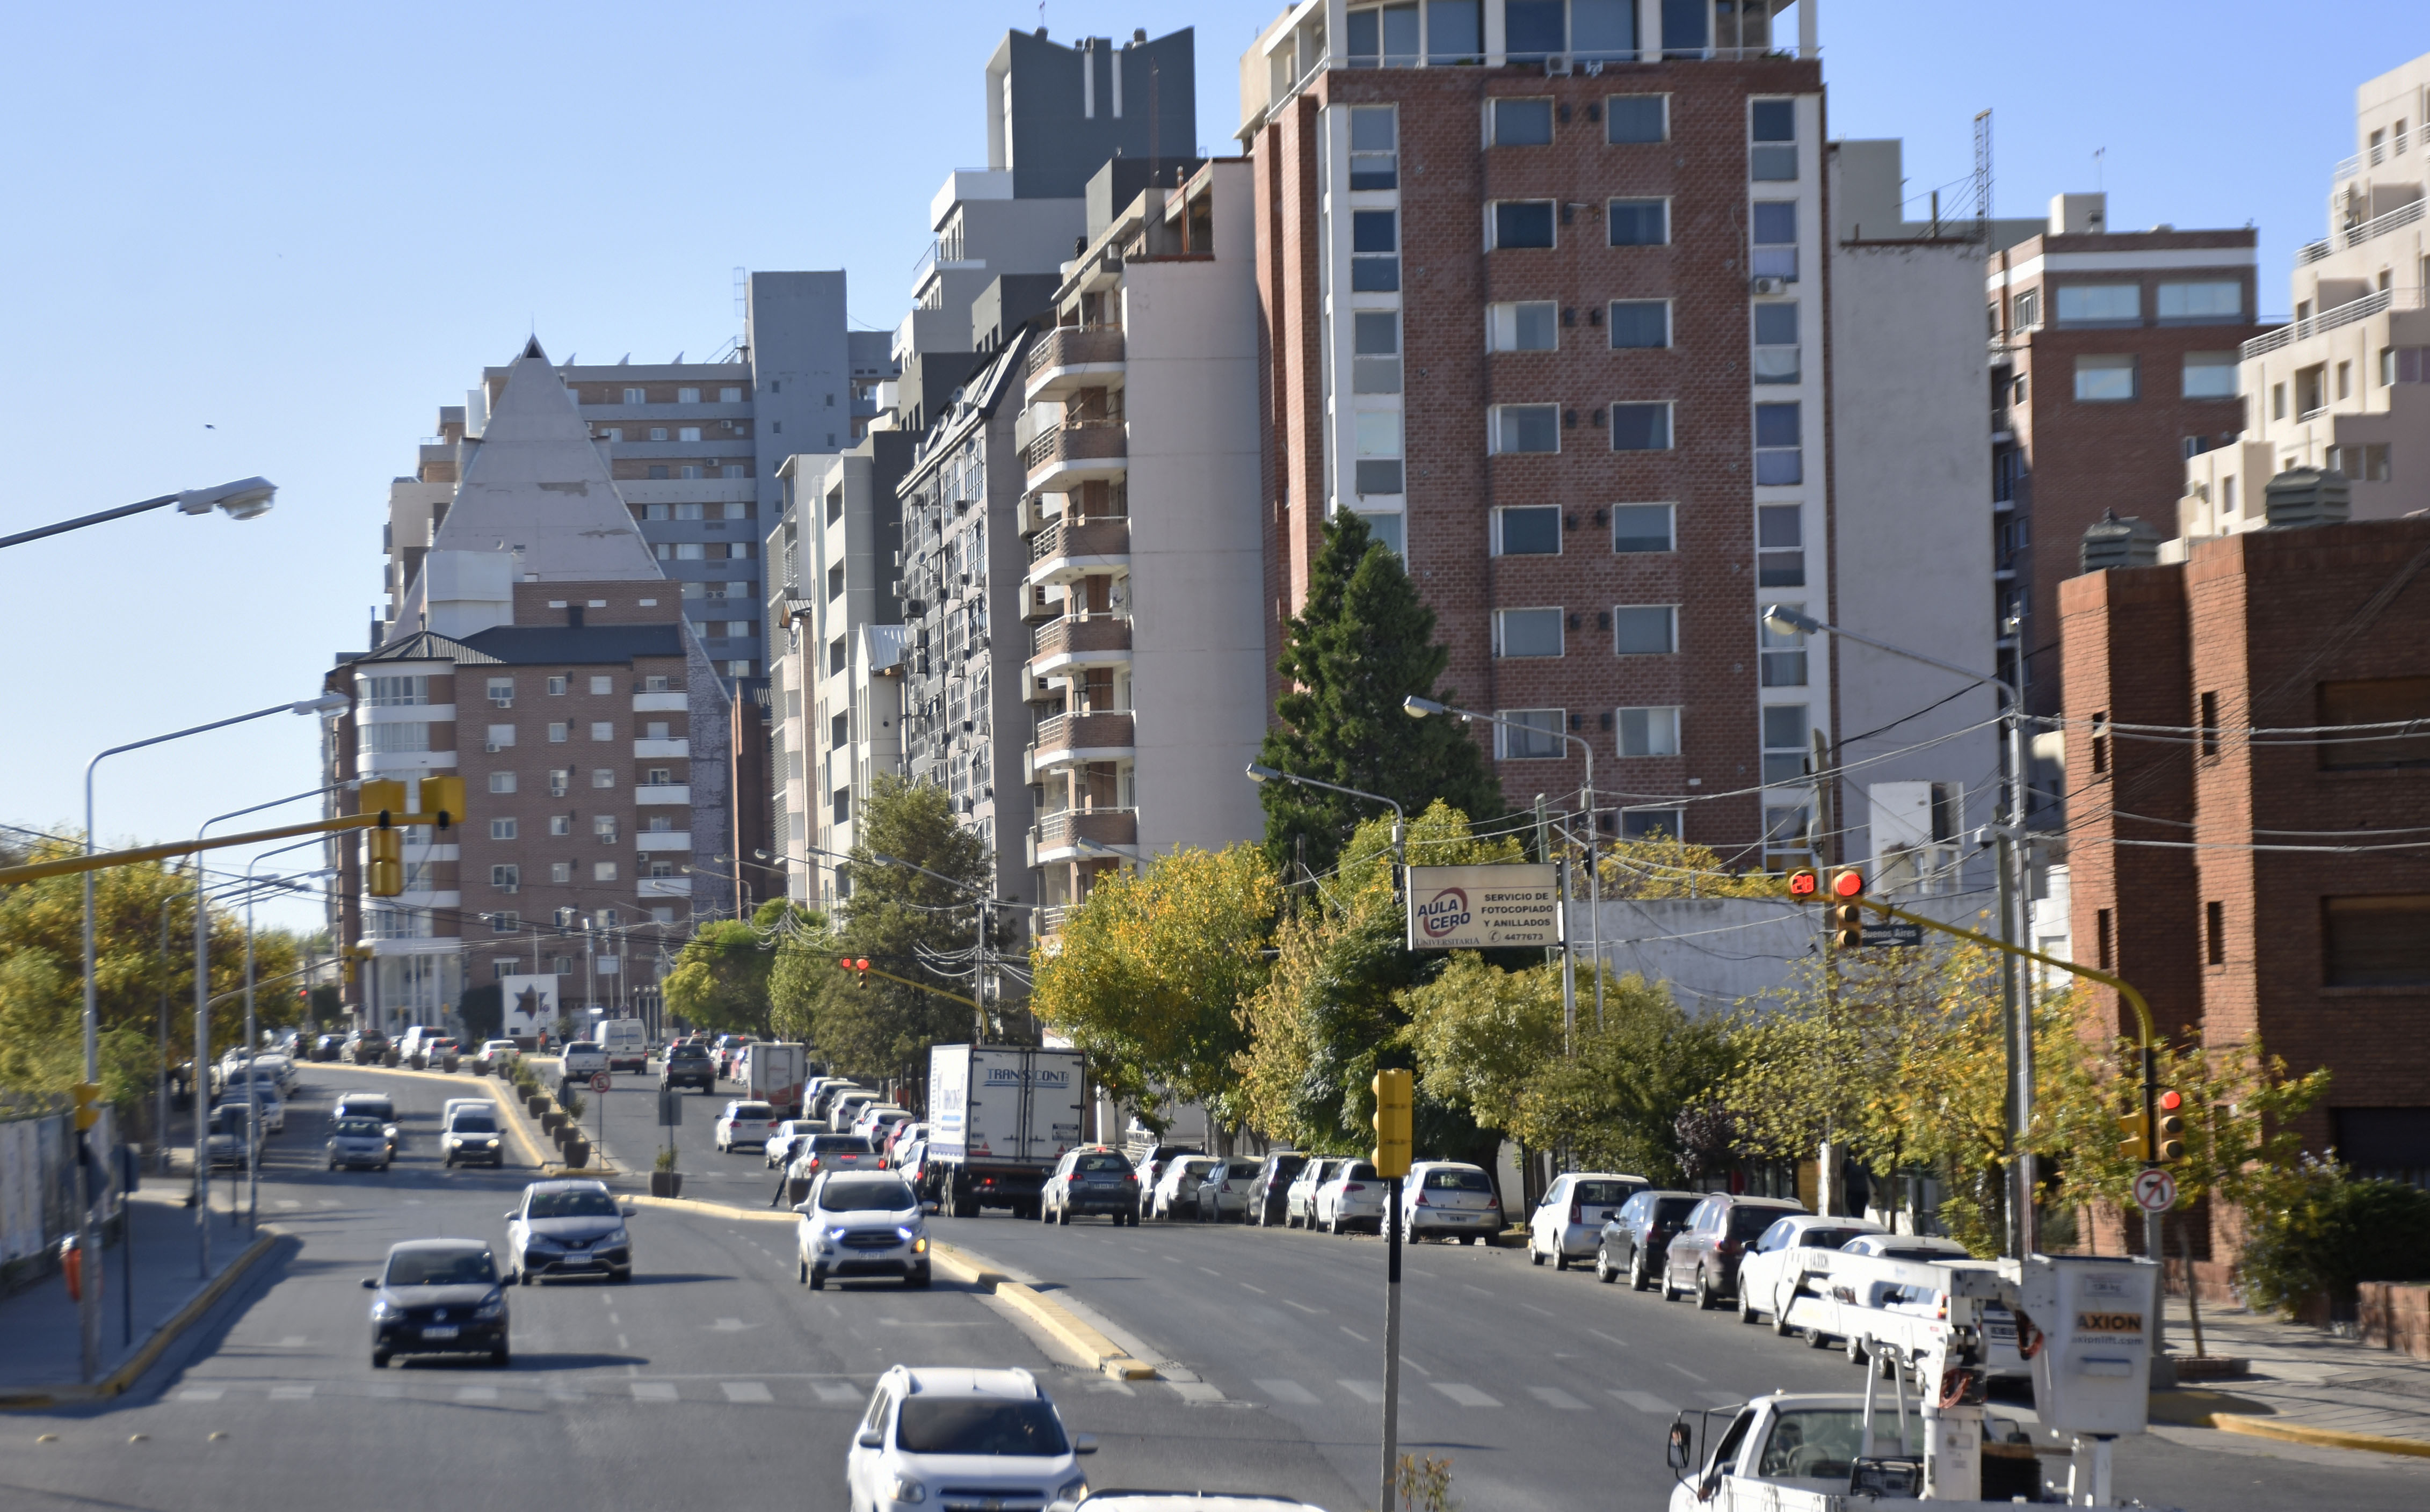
x,y
627,1047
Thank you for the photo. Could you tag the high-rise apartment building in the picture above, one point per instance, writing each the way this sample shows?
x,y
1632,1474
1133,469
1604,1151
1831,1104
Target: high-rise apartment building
x,y
2344,386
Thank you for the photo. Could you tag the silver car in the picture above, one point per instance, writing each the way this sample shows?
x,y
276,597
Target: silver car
x,y
564,1228
1299,1202
357,1142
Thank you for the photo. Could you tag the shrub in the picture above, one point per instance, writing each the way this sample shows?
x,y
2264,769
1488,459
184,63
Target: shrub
x,y
571,1101
2325,1232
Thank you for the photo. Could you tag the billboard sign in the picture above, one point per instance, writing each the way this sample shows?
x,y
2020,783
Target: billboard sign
x,y
1484,908
530,1003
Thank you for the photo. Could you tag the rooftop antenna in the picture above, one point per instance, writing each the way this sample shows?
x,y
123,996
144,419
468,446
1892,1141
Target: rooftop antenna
x,y
1982,177
742,311
1155,168
2099,154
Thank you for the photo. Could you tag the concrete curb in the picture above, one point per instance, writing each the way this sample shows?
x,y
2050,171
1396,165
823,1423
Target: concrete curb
x,y
131,1369
687,1205
2296,1432
516,1118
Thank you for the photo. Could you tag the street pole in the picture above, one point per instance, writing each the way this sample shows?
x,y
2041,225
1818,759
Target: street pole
x,y
1569,969
1392,1340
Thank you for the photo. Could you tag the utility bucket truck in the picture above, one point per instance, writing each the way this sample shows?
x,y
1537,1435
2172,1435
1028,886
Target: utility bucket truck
x,y
2082,1322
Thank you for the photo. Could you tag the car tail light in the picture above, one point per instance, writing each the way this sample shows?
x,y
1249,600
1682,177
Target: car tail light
x,y
1348,1187
1227,1186
1421,1200
1577,1213
1133,1179
1726,1246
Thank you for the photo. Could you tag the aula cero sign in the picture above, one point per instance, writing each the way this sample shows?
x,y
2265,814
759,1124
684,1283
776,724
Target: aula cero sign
x,y
1484,908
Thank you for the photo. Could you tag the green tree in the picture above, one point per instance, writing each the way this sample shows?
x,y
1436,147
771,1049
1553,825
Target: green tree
x,y
2326,1232
1150,972
1361,643
719,981
483,1009
1615,1103
1660,866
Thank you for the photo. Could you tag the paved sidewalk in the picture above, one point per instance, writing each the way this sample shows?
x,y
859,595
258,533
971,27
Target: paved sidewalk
x,y
2307,1386
45,1352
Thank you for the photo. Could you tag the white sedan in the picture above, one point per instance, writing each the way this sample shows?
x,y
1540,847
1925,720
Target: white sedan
x,y
744,1123
1798,1246
1351,1197
1567,1225
779,1148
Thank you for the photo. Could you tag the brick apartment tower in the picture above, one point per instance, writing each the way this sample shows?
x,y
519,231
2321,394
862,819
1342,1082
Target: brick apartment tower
x,y
1543,293
2324,955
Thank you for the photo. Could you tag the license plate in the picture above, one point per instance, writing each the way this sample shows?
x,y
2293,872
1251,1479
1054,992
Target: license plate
x,y
444,1331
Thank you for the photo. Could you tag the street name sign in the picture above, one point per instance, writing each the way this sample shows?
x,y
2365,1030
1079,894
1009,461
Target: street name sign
x,y
1910,936
1484,908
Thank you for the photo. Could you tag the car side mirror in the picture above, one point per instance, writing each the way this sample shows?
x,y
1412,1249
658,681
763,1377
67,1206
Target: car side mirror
x,y
511,1215
802,1207
869,1439
626,1207
370,1283
1084,1443
1679,1451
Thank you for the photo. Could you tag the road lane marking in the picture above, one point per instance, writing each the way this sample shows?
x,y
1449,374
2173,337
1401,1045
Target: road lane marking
x,y
1646,1402
1533,1308
1216,1273
1723,1398
477,1394
1684,1371
1607,1338
724,1325
291,1393
836,1391
745,1391
1354,1334
1174,1258
199,1393
1289,1393
1466,1396
1415,1366
288,1203
651,1391
1259,1290
1196,1391
1312,1312
1479,1290
931,1322
1371,1392
1556,1399
330,1202
622,1342
294,1341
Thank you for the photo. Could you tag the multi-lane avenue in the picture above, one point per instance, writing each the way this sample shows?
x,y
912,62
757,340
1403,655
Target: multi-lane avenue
x,y
714,1376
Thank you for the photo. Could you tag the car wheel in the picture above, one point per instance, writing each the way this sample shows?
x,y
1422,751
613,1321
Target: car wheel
x,y
801,1270
1638,1280
522,1274
1062,1217
917,1278
1780,1323
1662,1284
1534,1257
1746,1305
622,1277
1815,1339
501,1357
817,1279
333,1165
1604,1273
379,1360
1560,1259
1333,1225
1705,1300
1854,1350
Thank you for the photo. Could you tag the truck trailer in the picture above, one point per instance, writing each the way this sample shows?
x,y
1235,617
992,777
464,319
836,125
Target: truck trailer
x,y
1000,1118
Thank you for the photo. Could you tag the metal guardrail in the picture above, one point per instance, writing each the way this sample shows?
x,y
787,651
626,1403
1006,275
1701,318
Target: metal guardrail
x,y
2404,215
1065,731
1106,826
1085,440
1070,345
1102,632
1081,537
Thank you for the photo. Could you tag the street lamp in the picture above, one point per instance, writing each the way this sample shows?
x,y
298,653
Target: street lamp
x,y
1418,708
1786,619
88,1253
244,499
1261,774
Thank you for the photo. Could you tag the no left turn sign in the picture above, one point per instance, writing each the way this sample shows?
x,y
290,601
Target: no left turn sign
x,y
600,1083
2155,1191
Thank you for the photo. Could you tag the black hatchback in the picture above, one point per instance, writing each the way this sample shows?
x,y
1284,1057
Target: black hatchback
x,y
1634,1238
1269,1192
438,1297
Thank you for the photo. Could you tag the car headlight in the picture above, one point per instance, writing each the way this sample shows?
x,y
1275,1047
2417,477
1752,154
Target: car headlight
x,y
380,1308
491,1310
542,1241
920,1244
1072,1489
620,1236
907,1489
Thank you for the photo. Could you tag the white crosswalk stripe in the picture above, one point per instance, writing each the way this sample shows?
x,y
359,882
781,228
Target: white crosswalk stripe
x,y
1558,1399
477,1394
1646,1402
745,1391
1196,1391
654,1390
836,1391
199,1393
1289,1393
1466,1396
1371,1392
291,1393
1723,1398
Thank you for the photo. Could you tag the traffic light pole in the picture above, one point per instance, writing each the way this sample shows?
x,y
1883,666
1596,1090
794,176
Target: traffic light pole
x,y
1391,1339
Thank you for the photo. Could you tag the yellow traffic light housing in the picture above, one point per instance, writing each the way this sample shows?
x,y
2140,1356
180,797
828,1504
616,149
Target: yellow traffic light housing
x,y
1847,915
2169,1126
2132,1141
1395,1096
384,875
382,795
88,1111
442,798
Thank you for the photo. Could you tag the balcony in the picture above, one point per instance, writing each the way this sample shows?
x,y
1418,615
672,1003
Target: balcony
x,y
1050,919
2352,311
660,702
2379,225
675,793
1073,453
1073,357
663,839
1063,739
1066,549
1057,838
677,748
1097,640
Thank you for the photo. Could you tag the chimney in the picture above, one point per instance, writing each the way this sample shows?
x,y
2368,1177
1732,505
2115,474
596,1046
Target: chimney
x,y
2304,496
2110,541
574,616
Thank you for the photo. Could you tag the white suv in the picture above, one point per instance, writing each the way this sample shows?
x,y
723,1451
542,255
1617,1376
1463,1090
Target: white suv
x,y
744,1123
927,1427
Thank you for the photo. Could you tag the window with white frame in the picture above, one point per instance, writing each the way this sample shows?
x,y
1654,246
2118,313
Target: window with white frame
x,y
1787,829
1772,135
603,729
1639,323
393,692
1636,118
1384,37
506,878
637,396
2222,300
502,692
1375,352
1639,223
501,737
1527,632
1376,438
501,829
560,872
1772,237
1652,731
1374,148
1518,123
1641,425
603,828
658,433
602,686
1645,629
1513,428
1784,744
2105,380
2100,304
1520,223
1643,528
556,732
1784,654
1775,341
1653,823
384,739
1529,325
602,776
506,923
2210,374
602,870
556,686
1779,456
560,780
1374,251
687,433
501,781
1780,545
1531,735
1531,530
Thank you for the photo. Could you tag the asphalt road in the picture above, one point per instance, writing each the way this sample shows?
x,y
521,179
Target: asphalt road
x,y
1544,1388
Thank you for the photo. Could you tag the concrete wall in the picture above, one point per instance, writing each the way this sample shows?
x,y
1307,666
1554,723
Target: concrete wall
x,y
801,369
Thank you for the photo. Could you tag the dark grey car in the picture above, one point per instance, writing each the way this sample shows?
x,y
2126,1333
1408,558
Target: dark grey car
x,y
438,1297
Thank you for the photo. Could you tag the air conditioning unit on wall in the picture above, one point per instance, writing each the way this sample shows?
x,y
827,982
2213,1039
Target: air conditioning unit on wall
x,y
1766,286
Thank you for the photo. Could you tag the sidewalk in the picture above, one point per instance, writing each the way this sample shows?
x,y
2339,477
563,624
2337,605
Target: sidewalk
x,y
2305,1386
44,1362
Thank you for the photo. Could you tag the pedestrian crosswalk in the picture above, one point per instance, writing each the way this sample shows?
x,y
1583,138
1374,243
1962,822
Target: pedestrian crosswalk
x,y
525,1391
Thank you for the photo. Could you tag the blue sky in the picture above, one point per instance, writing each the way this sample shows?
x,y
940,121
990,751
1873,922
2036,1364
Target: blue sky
x,y
274,238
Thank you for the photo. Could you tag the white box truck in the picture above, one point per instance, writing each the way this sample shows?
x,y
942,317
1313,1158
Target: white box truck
x,y
999,1119
773,1073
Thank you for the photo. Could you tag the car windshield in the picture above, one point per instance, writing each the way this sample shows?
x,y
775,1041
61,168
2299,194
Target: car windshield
x,y
933,1425
865,1197
1830,1239
499,1044
1457,1181
358,1128
576,1204
1813,1443
849,1144
1750,1222
226,1119
356,1107
686,1053
439,1268
583,1047
473,1124
1917,1252
1114,1165
753,1110
1602,1194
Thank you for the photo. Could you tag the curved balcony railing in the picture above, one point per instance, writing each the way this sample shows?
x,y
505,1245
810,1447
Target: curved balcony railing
x,y
1104,826
1081,537
1100,632
1082,732
1070,346
1082,441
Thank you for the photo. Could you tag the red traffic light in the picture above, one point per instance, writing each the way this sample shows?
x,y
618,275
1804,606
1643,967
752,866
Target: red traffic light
x,y
861,964
1847,883
2171,1101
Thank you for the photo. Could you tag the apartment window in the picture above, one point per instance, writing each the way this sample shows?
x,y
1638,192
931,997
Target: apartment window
x,y
1641,427
1779,458
835,581
2207,721
501,781
2220,301
1653,823
1454,32
1375,352
603,828
1784,744
1641,323
1648,732
687,396
602,730
2101,380
1780,545
501,829
2278,401
500,736
2376,941
1521,224
2102,944
561,825
602,686
602,870
1538,736
687,433
1520,123
1771,130
2100,733
1374,251
505,923
688,471
839,654
688,511
660,684
1641,528
1783,652
2025,310
657,776
1523,428
734,469
839,730
1527,632
1534,325
655,730
2210,376
2100,304
1639,223
559,779
2386,702
1772,235
662,915
394,692
1377,436
1534,531
1384,37
508,878
1634,118
383,740
502,692
658,433
840,805
560,872
1384,527
2215,934
602,776
1775,341
2366,463
1645,630
1375,158
556,686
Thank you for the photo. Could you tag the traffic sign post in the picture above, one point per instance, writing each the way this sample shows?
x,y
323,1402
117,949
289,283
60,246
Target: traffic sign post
x,y
2156,1190
670,1108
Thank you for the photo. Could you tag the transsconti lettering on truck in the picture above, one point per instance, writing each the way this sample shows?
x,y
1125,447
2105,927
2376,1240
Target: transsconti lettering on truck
x,y
1002,1116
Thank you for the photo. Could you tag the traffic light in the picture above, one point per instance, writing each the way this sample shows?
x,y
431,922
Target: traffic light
x,y
1394,1093
1804,885
386,872
1847,915
442,798
382,795
2131,1143
2169,1125
88,1095
858,966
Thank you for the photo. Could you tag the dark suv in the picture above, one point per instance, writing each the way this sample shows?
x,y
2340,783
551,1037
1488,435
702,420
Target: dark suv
x,y
366,1047
688,1066
1271,1186
1634,1238
1092,1179
1708,1250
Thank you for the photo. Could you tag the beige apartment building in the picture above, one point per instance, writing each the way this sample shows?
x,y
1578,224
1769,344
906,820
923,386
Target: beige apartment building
x,y
2345,385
